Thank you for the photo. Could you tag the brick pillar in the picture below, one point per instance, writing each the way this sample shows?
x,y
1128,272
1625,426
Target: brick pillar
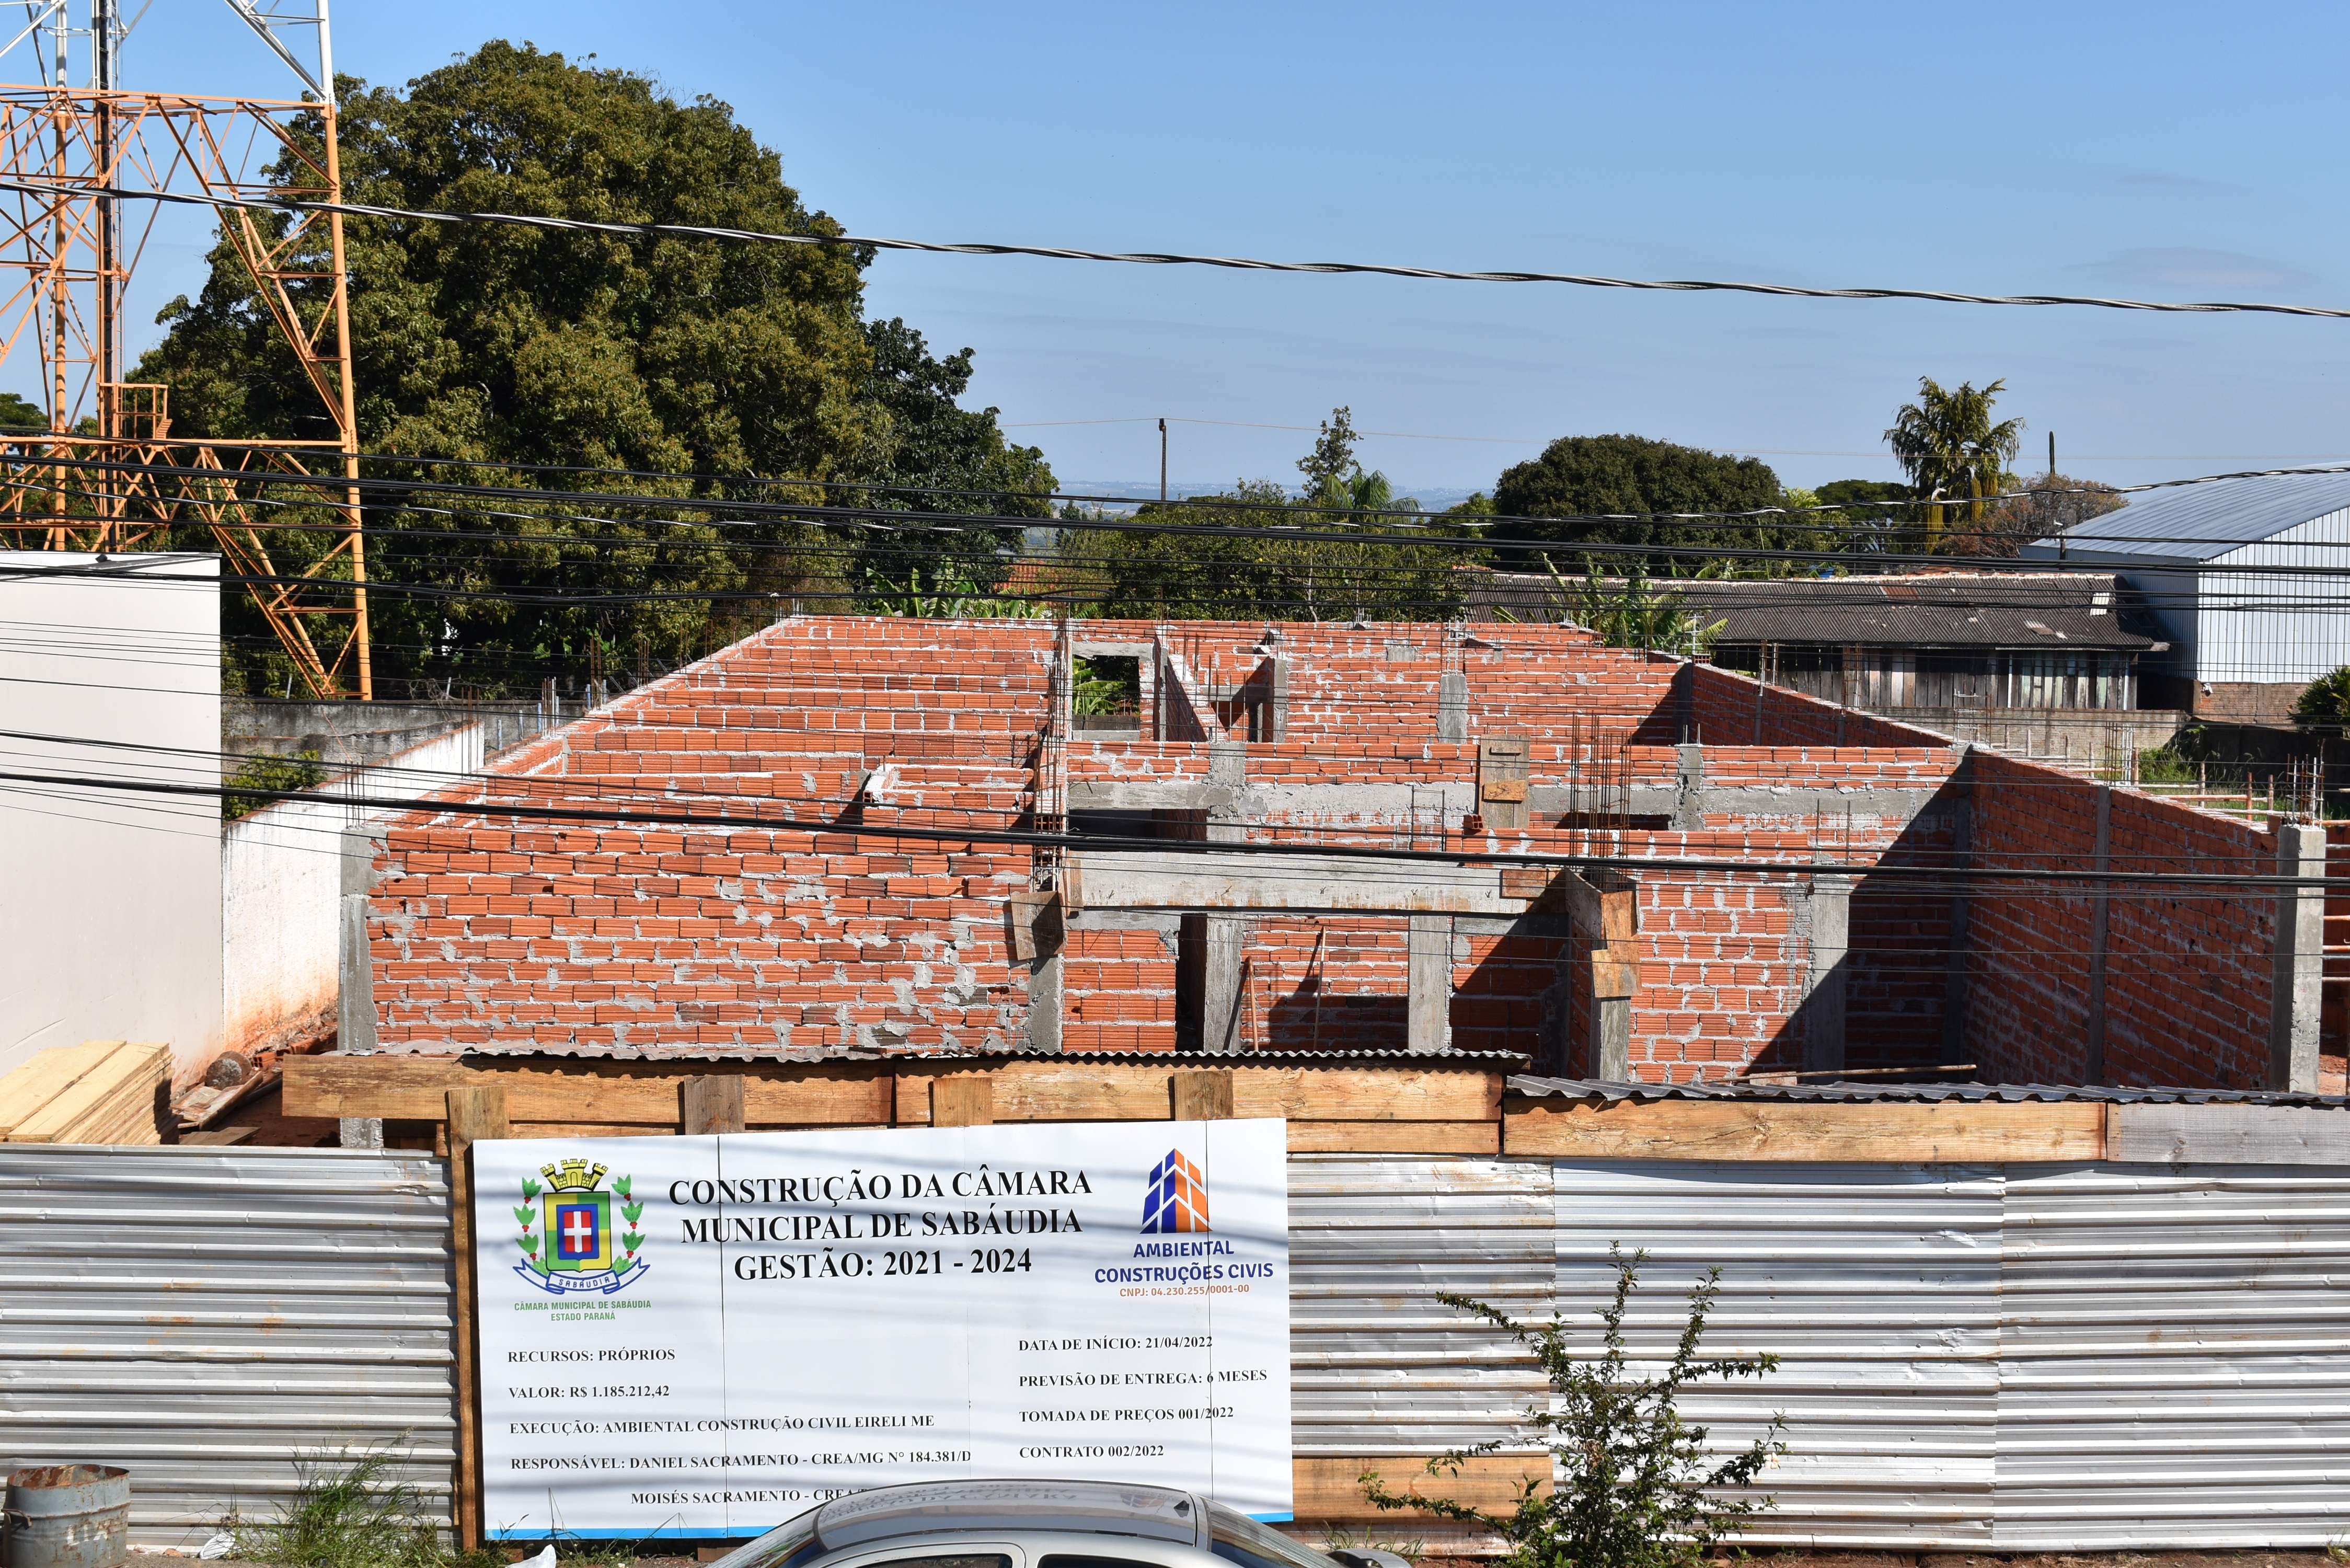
x,y
2296,988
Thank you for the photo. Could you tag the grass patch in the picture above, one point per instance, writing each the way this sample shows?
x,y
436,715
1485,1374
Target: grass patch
x,y
348,1512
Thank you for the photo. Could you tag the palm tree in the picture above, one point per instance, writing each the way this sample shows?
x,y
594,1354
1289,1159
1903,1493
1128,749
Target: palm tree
x,y
1948,446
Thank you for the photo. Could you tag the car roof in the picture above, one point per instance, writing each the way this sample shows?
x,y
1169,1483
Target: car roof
x,y
1099,1508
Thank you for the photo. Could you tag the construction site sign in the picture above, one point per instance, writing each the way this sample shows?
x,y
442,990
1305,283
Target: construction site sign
x,y
704,1337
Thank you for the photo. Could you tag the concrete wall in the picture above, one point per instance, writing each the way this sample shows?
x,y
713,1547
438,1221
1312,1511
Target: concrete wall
x,y
110,904
280,870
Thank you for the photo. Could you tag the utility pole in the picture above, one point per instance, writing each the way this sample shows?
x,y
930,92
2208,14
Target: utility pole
x,y
1162,462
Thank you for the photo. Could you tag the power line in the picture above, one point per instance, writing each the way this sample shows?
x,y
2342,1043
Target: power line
x,y
1011,837
1164,258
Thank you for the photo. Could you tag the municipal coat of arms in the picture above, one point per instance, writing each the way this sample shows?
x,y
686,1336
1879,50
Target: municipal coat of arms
x,y
576,1246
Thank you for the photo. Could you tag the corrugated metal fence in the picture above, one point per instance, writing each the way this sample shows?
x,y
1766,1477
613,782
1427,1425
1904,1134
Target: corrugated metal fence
x,y
2029,1358
204,1317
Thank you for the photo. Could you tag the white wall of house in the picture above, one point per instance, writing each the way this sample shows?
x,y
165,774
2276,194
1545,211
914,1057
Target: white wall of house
x,y
281,884
110,903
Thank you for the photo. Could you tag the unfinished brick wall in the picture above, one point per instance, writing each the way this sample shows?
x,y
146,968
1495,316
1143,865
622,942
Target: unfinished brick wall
x,y
816,932
2188,972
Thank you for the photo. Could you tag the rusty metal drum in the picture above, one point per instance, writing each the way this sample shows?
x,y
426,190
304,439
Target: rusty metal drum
x,y
67,1516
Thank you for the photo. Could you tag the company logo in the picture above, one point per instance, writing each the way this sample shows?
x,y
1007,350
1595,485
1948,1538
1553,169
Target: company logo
x,y
1177,1197
576,1247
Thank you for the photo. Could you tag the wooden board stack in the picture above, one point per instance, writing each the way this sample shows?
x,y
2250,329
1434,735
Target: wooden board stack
x,y
101,1091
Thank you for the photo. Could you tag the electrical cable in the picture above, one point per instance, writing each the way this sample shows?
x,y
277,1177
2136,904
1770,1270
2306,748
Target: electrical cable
x,y
1112,844
1144,258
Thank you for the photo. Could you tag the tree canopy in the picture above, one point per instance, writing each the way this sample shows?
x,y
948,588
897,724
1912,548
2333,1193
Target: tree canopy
x,y
1946,444
509,346
1351,563
1583,477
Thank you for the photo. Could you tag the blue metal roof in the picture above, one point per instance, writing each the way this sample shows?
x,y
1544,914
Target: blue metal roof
x,y
2197,522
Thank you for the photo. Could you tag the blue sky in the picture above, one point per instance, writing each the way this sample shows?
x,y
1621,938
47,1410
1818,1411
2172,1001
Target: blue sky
x,y
2147,150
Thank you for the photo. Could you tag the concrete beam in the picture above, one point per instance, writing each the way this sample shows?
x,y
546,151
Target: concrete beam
x,y
2296,987
1291,884
1392,803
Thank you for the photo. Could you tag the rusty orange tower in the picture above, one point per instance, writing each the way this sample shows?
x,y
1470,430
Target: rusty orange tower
x,y
106,474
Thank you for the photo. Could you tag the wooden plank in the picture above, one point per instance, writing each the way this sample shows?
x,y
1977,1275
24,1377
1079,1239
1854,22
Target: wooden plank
x,y
1328,1487
1947,1132
49,1073
1366,1094
97,1098
2226,1135
710,1103
1395,1138
1201,1096
619,1094
404,1088
1035,922
965,1100
474,1111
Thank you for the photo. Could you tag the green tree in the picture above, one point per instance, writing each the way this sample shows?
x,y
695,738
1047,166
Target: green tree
x,y
1946,444
932,442
1580,482
1333,457
502,345
1639,1487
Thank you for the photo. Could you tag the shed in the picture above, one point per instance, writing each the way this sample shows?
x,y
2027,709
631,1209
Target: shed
x,y
2222,572
1903,642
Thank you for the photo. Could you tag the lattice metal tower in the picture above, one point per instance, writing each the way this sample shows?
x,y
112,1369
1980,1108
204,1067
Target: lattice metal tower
x,y
106,474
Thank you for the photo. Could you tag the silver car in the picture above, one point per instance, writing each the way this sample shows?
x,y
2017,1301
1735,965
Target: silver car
x,y
1033,1524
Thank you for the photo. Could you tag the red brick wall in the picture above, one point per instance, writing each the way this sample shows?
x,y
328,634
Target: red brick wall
x,y
2188,970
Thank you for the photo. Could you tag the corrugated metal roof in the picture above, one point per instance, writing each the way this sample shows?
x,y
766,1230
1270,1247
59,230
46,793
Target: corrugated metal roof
x,y
1935,609
2102,1094
2200,520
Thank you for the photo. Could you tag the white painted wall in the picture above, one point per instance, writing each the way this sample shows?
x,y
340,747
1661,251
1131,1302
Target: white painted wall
x,y
281,882
109,904
2281,626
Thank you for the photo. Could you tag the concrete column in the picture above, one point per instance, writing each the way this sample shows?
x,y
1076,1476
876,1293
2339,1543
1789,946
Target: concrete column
x,y
1954,961
1045,1002
1611,1038
1452,705
2297,989
355,979
1830,905
1428,1012
2093,1067
1689,780
1220,985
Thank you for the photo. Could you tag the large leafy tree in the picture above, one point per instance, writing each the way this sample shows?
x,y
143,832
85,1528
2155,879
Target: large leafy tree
x,y
1580,480
510,346
1947,445
962,464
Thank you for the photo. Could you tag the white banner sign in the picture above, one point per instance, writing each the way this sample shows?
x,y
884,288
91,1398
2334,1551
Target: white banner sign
x,y
704,1336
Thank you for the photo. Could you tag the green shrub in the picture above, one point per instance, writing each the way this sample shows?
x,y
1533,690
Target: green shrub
x,y
1639,1490
2326,700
